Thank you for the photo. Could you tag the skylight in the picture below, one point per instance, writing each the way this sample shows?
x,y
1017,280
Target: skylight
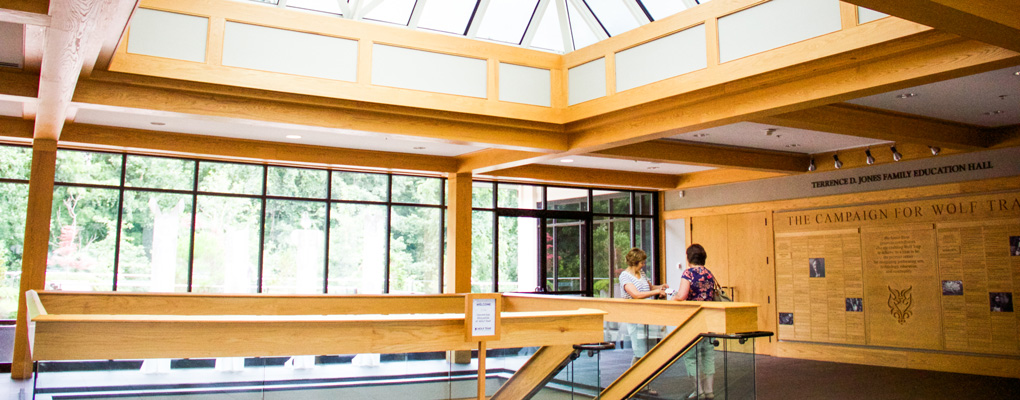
x,y
559,26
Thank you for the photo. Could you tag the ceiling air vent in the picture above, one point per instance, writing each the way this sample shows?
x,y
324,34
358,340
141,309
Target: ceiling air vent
x,y
10,64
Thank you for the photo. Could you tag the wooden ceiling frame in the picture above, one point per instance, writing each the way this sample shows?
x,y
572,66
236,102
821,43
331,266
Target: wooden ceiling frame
x,y
782,92
996,22
854,120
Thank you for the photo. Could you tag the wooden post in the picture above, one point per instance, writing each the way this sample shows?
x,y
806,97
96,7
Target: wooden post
x,y
37,238
457,271
482,323
481,370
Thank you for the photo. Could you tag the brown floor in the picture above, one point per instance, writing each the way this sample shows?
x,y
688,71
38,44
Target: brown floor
x,y
786,379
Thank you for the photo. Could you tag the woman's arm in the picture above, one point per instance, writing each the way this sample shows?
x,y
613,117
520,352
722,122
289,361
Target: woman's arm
x,y
684,291
633,292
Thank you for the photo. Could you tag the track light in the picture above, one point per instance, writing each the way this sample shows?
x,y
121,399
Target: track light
x,y
935,150
811,167
839,164
896,156
871,160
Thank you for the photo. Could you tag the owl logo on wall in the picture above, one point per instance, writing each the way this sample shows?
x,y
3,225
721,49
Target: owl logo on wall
x,y
899,303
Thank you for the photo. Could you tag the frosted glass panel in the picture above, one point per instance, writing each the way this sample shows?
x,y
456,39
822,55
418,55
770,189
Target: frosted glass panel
x,y
431,72
525,85
775,24
865,15
278,50
673,55
587,81
170,35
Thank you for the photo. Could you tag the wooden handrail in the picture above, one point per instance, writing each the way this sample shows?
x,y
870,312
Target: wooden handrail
x,y
83,326
654,312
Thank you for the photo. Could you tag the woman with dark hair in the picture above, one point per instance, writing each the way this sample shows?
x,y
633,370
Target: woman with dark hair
x,y
698,284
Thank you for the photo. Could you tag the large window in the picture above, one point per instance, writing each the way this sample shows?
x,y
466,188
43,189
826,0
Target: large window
x,y
159,224
536,238
15,164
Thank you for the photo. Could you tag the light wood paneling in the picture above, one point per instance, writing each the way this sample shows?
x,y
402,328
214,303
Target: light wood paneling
x,y
751,273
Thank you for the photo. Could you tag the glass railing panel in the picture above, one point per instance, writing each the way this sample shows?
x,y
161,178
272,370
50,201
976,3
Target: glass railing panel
x,y
714,367
154,378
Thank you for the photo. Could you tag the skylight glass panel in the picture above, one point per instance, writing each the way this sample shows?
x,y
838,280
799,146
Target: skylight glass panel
x,y
447,15
392,11
506,20
613,15
660,9
548,35
326,6
582,33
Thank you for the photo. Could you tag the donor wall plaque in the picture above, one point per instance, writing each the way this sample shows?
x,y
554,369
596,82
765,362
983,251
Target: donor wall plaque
x,y
901,285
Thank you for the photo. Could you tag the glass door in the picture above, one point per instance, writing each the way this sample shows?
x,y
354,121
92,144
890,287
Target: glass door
x,y
565,256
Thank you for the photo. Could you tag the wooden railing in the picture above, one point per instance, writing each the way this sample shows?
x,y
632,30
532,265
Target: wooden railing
x,y
88,326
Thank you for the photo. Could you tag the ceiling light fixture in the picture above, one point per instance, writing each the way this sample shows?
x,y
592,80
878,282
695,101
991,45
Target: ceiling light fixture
x,y
793,145
838,164
158,123
770,131
293,136
871,159
896,156
906,95
653,167
567,160
419,147
811,167
996,112
935,150
1017,73
700,135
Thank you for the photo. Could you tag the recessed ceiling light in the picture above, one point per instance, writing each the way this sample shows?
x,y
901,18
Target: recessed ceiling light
x,y
793,145
700,134
1017,73
419,147
653,167
567,160
906,95
996,112
293,136
158,123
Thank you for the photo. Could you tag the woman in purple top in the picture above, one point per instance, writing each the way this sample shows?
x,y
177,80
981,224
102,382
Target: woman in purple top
x,y
698,284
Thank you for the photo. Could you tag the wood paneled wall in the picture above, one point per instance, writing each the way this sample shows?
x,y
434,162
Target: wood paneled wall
x,y
964,234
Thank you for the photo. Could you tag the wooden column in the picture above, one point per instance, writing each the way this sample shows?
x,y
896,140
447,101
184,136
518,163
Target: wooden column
x,y
37,235
457,271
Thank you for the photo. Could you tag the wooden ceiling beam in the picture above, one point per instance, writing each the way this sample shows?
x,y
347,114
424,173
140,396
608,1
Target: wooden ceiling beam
x,y
720,176
588,176
854,120
996,22
483,161
68,47
38,7
920,59
183,144
257,105
669,151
